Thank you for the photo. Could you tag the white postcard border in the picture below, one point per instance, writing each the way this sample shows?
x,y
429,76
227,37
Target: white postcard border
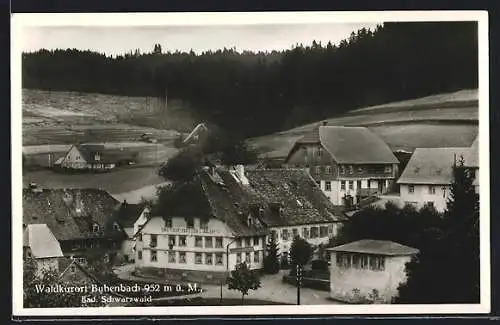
x,y
18,21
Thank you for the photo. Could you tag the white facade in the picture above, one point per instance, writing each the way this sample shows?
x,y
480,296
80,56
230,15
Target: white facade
x,y
354,276
314,234
421,194
336,190
178,246
128,246
74,159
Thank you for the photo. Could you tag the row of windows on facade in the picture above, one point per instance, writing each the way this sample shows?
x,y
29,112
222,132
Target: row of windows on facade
x,y
328,185
312,232
92,244
189,223
346,169
431,190
96,228
360,261
180,257
199,241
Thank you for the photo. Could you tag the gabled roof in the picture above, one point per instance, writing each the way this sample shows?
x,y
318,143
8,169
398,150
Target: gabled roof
x,y
351,145
296,192
220,194
378,247
71,213
127,214
41,241
472,159
89,151
432,166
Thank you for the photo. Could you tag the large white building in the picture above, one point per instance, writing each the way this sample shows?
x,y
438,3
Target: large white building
x,y
349,164
224,218
428,176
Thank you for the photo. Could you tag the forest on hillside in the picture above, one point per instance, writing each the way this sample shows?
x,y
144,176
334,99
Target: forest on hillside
x,y
251,94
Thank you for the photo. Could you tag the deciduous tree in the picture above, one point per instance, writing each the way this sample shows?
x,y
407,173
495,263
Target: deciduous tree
x,y
243,279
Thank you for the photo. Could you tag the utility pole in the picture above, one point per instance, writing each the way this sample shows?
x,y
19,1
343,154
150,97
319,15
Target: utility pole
x,y
299,280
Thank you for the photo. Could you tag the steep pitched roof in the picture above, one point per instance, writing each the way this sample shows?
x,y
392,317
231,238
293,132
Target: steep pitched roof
x,y
355,145
472,159
71,213
296,192
378,247
41,241
127,214
431,166
89,152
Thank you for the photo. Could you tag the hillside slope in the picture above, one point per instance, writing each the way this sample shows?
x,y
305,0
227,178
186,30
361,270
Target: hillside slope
x,y
434,121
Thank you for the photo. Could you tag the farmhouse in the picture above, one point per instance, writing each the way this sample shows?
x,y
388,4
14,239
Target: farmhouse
x,y
428,176
40,244
80,219
350,164
87,158
368,269
224,216
130,217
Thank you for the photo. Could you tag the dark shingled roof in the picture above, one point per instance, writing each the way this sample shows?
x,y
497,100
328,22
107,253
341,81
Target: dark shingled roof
x,y
221,195
127,214
378,247
71,213
294,190
432,166
351,145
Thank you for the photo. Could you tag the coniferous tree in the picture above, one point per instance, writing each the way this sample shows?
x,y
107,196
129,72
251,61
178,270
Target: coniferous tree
x,y
271,259
447,271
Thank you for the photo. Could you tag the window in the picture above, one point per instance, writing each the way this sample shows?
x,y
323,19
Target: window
x,y
314,232
116,226
249,221
248,242
95,227
360,169
72,269
154,256
411,189
197,258
219,259
182,241
171,240
323,231
238,258
328,170
328,186
342,169
342,185
319,152
256,257
377,263
351,185
139,236
208,258
364,261
432,190
358,185
168,223
154,240
430,203
198,241
356,261
139,255
368,184
218,242
330,229
351,169
256,241
295,232
190,223
274,234
343,260
248,257
305,232
318,169
209,242
319,183
171,257
284,234
387,169
203,224
182,257
238,243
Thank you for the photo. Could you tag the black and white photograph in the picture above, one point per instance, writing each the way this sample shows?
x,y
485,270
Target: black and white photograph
x,y
231,163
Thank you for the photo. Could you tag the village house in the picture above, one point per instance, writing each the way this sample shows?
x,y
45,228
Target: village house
x,y
130,217
87,158
367,270
227,221
350,164
40,244
428,176
80,219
